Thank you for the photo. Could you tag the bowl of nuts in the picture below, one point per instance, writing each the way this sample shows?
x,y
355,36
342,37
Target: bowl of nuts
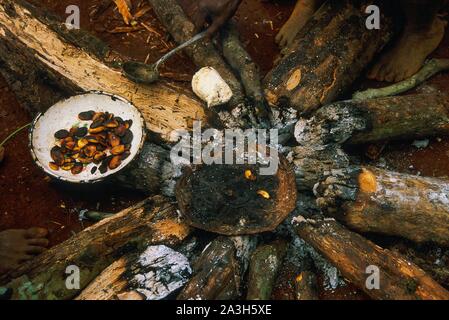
x,y
87,137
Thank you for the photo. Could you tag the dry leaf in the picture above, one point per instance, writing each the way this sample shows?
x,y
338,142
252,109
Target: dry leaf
x,y
124,7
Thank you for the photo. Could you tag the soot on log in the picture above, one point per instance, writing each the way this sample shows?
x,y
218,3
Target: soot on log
x,y
235,199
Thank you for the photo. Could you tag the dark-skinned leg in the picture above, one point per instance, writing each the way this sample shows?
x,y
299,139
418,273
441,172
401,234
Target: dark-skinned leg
x,y
422,34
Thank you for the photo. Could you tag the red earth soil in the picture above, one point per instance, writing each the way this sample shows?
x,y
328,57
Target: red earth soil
x,y
28,198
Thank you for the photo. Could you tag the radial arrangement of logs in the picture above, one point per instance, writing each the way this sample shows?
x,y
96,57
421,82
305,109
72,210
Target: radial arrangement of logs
x,y
313,214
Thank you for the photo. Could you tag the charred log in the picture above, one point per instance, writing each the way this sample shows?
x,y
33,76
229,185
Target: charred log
x,y
327,56
152,275
264,268
154,221
217,273
352,255
236,199
374,200
242,63
355,122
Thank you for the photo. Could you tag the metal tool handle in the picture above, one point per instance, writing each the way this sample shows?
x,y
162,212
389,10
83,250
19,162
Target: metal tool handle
x,y
199,36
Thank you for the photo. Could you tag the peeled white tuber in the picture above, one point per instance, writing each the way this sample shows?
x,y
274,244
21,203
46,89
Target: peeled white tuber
x,y
210,87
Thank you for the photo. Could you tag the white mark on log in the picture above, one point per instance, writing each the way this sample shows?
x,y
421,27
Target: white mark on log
x,y
244,246
164,271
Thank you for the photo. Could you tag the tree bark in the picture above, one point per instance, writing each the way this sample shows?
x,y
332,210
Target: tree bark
x,y
327,56
368,199
263,269
154,221
356,122
72,61
217,273
248,71
203,53
405,117
152,275
352,255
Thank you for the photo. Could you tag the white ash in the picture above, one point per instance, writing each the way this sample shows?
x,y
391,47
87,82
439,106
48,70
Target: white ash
x,y
162,271
210,87
245,246
332,277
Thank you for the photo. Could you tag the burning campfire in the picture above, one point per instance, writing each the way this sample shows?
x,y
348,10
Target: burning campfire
x,y
225,231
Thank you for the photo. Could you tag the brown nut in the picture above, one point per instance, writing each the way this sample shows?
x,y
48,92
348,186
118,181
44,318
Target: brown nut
x,y
98,116
118,150
96,130
115,162
120,130
86,116
113,140
80,132
99,156
84,160
91,139
53,166
125,155
127,137
61,134
68,166
90,151
77,169
82,143
57,155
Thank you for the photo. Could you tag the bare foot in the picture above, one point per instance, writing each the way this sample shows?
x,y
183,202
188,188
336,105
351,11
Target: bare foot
x,y
409,54
300,16
18,246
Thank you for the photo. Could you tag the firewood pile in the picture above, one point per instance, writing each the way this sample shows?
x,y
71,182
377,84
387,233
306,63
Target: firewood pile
x,y
221,231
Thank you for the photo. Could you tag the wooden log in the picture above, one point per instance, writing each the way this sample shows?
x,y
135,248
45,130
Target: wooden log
x,y
248,71
45,51
327,56
203,53
392,118
434,260
405,117
352,255
357,122
236,199
263,269
217,273
152,275
369,199
154,221
151,172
